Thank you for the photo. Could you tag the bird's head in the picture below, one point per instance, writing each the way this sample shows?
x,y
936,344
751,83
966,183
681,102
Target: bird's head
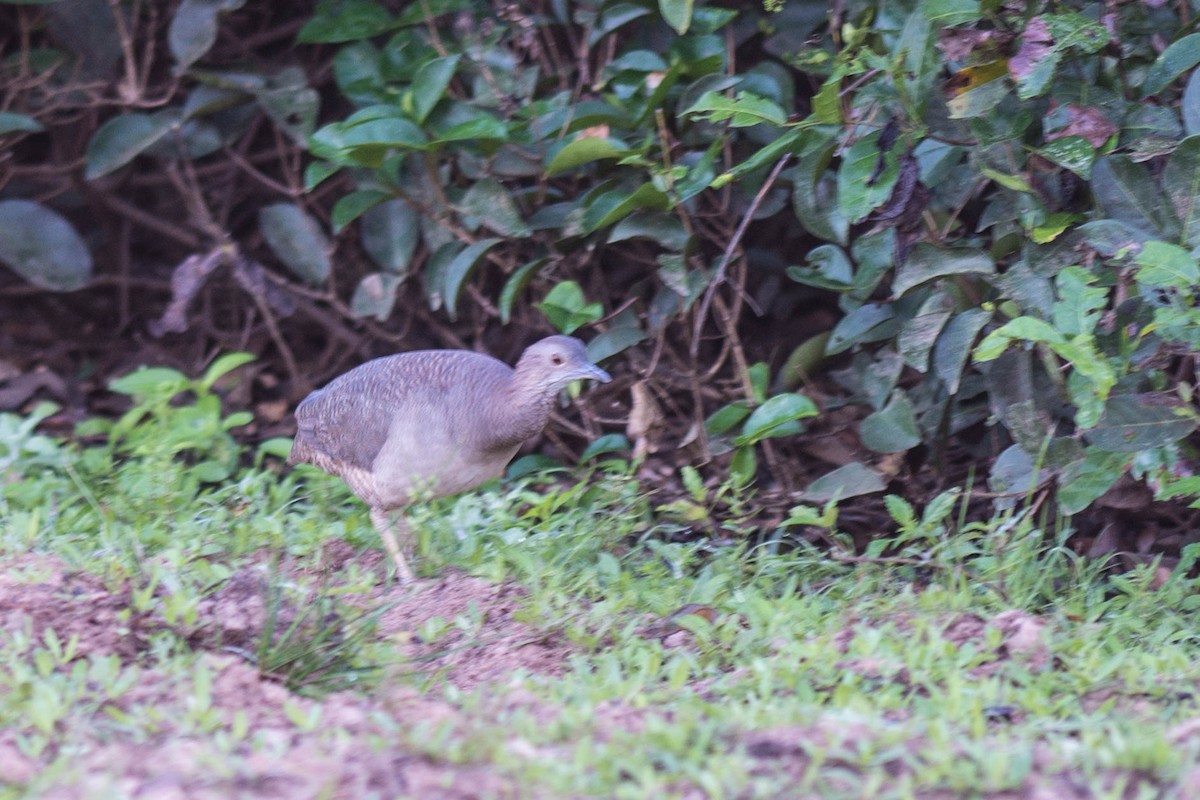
x,y
556,361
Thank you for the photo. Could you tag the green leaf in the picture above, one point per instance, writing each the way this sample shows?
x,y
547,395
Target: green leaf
x,y
1080,303
928,262
291,104
581,151
1126,192
1014,182
345,21
1131,423
860,189
614,16
383,132
743,110
193,29
1181,182
610,207
316,173
893,428
744,465
609,443
725,418
984,87
1190,105
150,382
851,480
515,285
223,366
1071,152
490,203
815,193
567,309
42,247
624,331
952,348
1179,57
831,269
1094,375
459,269
123,138
11,122
665,229
297,240
1166,265
1084,482
430,84
951,12
919,334
771,418
354,205
871,322
677,14
390,232
375,295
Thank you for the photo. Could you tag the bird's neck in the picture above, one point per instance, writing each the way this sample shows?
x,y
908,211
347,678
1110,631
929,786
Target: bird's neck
x,y
521,413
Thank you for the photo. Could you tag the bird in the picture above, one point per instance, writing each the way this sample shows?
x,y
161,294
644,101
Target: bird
x,y
431,423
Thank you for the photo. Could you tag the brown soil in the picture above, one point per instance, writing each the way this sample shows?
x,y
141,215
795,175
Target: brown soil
x,y
220,729
358,745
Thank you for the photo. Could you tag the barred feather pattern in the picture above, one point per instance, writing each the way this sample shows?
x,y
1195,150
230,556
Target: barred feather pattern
x,y
428,423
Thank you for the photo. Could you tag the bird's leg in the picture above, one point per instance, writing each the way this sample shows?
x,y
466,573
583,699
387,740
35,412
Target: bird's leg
x,y
387,531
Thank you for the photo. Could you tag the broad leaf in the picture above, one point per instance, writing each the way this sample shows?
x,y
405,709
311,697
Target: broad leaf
x,y
1132,423
11,122
1126,192
1179,57
490,204
43,247
390,232
193,29
1181,181
375,295
514,286
354,205
459,269
851,480
124,138
430,84
927,262
866,178
567,308
893,428
298,241
582,151
677,14
772,417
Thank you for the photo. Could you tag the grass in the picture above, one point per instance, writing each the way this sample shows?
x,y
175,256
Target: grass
x,y
966,664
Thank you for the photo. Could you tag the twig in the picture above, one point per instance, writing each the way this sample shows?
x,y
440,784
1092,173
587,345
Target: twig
x,y
722,268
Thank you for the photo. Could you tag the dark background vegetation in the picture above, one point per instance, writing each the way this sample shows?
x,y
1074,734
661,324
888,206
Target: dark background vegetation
x,y
828,251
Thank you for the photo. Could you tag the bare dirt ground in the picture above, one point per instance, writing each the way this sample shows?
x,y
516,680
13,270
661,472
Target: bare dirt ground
x,y
220,729
356,744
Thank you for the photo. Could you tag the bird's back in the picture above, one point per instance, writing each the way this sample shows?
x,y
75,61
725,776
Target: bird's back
x,y
404,424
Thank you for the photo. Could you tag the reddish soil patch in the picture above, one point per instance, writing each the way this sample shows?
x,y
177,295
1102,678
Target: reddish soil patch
x,y
37,592
499,645
353,745
351,752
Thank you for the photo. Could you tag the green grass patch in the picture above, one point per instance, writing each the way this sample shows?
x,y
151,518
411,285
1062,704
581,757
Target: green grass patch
x,y
969,659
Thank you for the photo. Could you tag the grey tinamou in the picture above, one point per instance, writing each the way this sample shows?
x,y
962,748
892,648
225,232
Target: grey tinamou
x,y
431,423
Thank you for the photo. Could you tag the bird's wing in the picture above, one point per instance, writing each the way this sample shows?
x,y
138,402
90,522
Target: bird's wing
x,y
349,420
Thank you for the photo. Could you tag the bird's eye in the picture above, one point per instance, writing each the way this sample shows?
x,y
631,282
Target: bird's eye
x,y
556,359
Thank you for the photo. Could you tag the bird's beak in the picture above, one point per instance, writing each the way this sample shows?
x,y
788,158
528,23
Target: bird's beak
x,y
593,372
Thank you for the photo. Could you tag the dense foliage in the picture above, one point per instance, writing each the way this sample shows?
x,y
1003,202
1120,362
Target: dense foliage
x,y
980,216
